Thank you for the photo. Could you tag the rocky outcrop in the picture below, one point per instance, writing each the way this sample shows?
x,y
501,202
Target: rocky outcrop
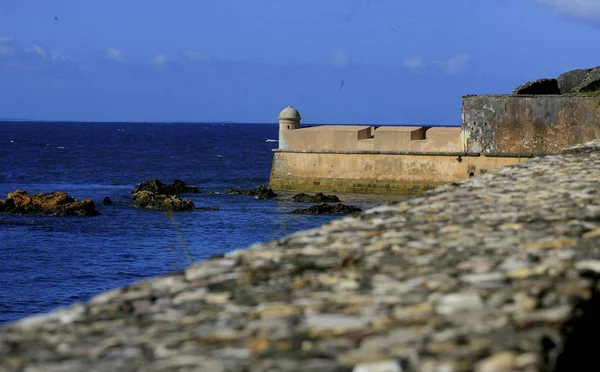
x,y
500,272
107,201
324,208
570,80
56,203
575,81
211,208
159,188
591,83
261,192
154,194
317,198
542,86
151,200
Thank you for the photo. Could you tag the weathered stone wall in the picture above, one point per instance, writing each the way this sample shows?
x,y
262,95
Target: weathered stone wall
x,y
499,273
529,124
375,172
384,138
327,137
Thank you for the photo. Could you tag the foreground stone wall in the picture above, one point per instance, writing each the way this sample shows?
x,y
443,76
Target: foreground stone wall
x,y
375,172
497,273
541,124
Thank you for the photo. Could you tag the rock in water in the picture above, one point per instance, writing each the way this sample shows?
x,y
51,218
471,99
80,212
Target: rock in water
x,y
211,208
261,192
54,203
325,208
180,188
157,187
154,194
151,200
317,198
106,201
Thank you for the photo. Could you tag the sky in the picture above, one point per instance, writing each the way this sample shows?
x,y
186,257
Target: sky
x,y
336,61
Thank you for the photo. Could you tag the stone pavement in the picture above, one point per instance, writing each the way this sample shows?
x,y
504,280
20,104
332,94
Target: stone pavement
x,y
497,273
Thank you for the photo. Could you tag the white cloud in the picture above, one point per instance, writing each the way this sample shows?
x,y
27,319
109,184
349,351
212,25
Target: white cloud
x,y
160,61
114,54
33,57
579,8
455,63
58,56
36,49
194,56
40,52
6,51
413,63
339,58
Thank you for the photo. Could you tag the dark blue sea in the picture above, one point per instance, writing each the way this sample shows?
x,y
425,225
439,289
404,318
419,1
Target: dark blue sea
x,y
50,261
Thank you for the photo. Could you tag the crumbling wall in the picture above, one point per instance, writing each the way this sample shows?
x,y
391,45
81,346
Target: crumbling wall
x,y
536,124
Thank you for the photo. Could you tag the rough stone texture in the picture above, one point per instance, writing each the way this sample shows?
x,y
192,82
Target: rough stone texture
x,y
542,86
173,203
57,203
591,83
317,198
154,194
529,125
324,208
497,273
570,80
574,81
261,192
157,187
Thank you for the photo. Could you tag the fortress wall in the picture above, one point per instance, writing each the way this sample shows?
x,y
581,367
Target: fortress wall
x,y
529,123
363,138
372,172
395,138
439,139
327,137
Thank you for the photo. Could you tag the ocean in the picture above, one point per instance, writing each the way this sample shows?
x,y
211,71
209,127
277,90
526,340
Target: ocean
x,y
50,261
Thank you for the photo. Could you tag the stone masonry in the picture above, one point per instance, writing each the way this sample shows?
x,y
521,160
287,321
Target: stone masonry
x,y
540,117
496,273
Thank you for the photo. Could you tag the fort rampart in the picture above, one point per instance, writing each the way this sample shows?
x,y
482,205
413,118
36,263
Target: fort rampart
x,y
539,118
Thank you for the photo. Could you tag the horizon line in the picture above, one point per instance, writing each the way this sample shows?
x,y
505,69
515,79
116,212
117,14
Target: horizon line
x,y
6,121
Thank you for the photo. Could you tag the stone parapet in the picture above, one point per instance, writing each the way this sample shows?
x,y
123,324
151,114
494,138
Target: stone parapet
x,y
370,138
496,273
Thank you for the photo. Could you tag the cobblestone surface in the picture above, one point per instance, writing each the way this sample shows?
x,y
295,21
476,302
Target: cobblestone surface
x,y
491,274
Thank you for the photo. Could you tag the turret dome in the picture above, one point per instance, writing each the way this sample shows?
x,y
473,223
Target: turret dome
x,y
289,113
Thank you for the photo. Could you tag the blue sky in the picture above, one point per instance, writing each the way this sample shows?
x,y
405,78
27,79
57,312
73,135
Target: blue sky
x,y
401,61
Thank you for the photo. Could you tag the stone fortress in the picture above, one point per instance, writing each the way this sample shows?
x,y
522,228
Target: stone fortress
x,y
539,118
500,273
